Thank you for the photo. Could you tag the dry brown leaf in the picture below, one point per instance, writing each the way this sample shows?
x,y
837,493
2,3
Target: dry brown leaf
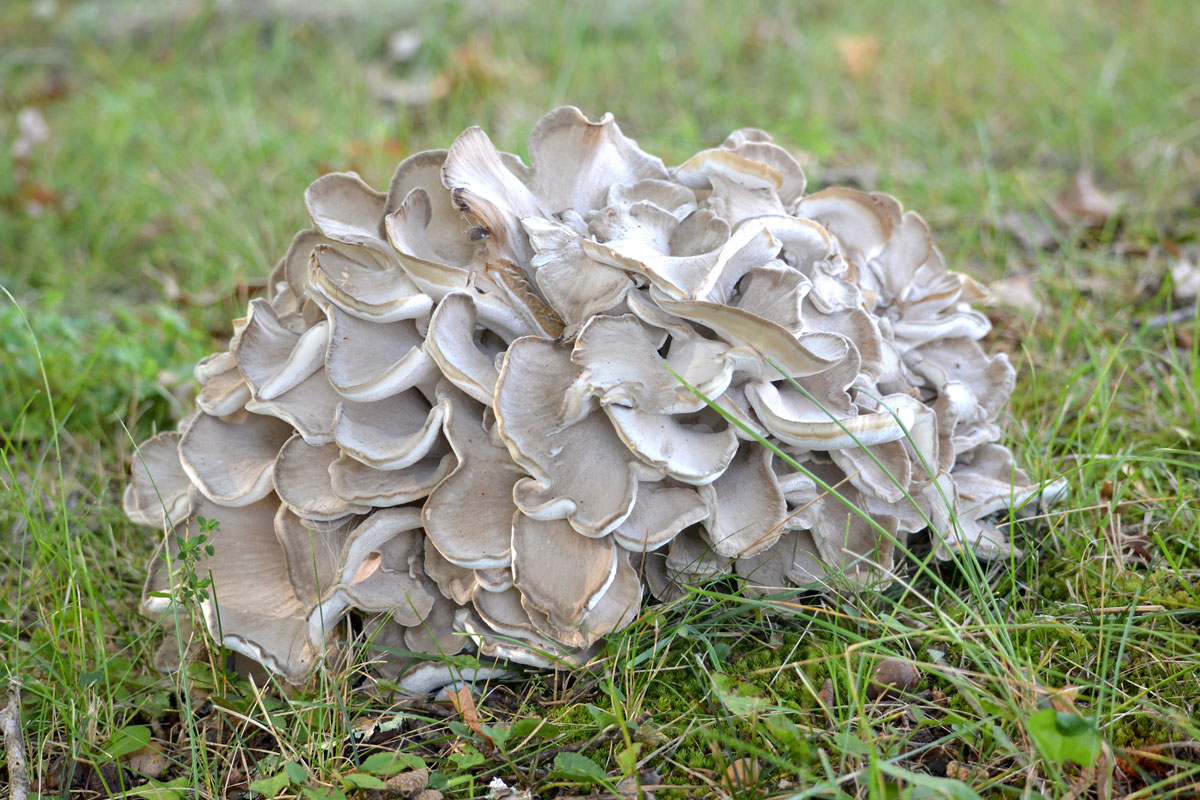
x,y
825,693
1015,292
1083,203
417,90
860,54
475,63
1096,780
740,774
464,703
1029,231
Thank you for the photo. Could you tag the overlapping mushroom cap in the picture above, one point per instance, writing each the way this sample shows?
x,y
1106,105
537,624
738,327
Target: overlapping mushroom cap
x,y
468,409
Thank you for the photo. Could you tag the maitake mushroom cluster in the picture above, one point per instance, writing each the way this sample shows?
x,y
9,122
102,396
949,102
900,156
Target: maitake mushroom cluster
x,y
460,411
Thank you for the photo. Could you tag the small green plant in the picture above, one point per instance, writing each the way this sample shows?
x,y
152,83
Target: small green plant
x,y
193,587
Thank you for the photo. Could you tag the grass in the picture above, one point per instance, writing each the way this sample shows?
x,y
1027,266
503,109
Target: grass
x,y
171,182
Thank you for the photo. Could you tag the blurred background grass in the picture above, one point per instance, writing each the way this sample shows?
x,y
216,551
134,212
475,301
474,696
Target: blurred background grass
x,y
179,137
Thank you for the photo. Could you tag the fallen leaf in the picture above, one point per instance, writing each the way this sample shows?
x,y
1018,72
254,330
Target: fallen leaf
x,y
860,54
825,693
1015,292
464,703
740,774
417,90
38,197
1134,549
1029,231
475,63
1083,203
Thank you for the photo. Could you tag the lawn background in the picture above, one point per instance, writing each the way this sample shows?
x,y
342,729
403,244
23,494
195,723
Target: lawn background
x,y
181,137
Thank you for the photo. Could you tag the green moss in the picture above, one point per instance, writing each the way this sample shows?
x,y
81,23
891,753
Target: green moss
x,y
1142,730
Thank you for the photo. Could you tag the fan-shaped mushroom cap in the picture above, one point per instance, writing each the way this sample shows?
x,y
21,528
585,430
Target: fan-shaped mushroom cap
x,y
391,433
579,468
614,609
437,633
368,362
852,545
575,284
390,580
468,517
355,482
206,442
802,422
861,222
272,358
747,509
575,160
661,512
431,227
252,603
388,640
360,283
454,582
691,559
158,491
793,561
223,389
619,364
584,568
495,579
312,551
301,479
795,356
344,208
450,342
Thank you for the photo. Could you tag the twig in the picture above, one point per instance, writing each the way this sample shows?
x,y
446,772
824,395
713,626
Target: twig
x,y
10,724
1146,609
1160,321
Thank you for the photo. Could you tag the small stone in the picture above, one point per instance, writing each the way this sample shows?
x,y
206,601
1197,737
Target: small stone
x,y
149,761
407,784
892,674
